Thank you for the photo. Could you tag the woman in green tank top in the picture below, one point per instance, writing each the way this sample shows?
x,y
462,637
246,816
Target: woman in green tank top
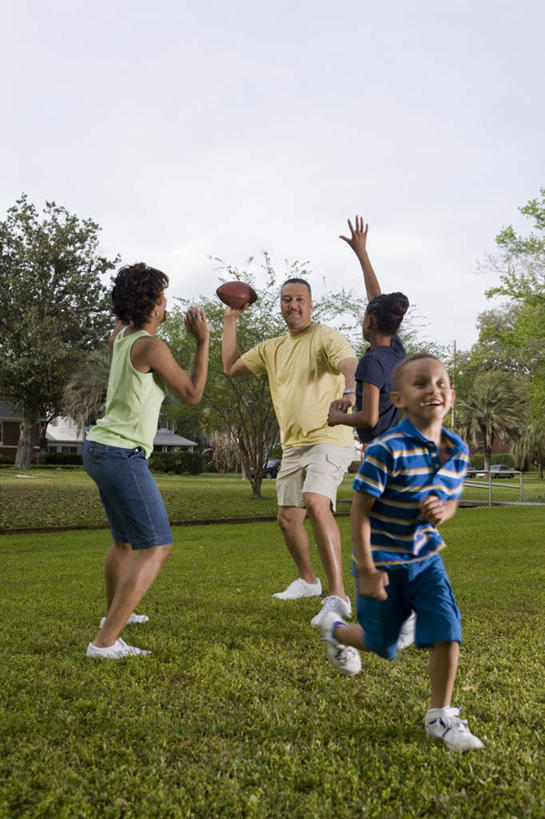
x,y
116,450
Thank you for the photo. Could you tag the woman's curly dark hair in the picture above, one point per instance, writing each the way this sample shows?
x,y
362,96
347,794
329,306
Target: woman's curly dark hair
x,y
137,289
388,310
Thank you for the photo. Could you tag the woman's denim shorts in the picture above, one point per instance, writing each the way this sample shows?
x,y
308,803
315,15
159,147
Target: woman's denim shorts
x,y
134,506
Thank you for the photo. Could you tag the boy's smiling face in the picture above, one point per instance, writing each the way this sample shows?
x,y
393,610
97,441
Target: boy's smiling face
x,y
424,392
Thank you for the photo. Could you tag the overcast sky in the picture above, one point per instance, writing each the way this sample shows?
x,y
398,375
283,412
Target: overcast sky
x,y
197,129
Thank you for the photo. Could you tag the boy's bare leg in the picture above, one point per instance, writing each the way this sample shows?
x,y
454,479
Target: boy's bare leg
x,y
291,521
351,636
443,666
328,540
132,585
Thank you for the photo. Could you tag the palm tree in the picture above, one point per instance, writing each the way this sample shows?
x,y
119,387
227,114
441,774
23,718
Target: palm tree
x,y
85,393
491,410
530,447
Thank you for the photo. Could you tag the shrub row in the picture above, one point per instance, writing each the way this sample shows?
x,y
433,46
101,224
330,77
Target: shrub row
x,y
177,462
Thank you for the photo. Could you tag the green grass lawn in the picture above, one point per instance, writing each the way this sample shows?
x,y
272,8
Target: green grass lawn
x,y
57,498
238,712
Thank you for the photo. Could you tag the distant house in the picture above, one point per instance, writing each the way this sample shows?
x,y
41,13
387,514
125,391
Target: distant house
x,y
63,435
10,430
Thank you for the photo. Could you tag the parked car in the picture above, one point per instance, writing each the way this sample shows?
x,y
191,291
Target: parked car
x,y
270,468
498,471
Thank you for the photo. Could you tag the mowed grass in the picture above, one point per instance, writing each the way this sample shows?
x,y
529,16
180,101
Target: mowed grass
x,y
63,498
238,712
57,498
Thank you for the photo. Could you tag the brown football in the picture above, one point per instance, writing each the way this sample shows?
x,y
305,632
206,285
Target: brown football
x,y
236,294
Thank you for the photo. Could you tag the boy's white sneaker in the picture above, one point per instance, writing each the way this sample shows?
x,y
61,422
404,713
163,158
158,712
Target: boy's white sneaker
x,y
346,659
406,632
445,724
332,603
117,651
300,588
133,620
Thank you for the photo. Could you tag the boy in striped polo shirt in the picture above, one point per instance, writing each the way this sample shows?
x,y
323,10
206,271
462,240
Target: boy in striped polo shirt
x,y
409,482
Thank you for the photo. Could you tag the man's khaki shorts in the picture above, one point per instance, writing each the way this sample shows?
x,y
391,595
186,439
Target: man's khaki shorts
x,y
318,468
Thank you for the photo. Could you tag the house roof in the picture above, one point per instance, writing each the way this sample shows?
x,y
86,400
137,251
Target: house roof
x,y
7,412
65,431
165,436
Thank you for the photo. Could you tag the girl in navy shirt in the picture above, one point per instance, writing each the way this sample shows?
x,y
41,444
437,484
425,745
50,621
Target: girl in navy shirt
x,y
374,412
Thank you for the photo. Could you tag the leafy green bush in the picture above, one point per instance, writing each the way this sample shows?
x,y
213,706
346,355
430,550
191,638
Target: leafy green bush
x,y
61,458
477,459
177,462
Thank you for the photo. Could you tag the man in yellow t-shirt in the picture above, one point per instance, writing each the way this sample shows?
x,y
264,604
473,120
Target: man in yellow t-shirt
x,y
308,368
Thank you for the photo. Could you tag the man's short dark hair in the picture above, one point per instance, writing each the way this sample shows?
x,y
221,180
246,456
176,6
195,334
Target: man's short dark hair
x,y
295,280
397,375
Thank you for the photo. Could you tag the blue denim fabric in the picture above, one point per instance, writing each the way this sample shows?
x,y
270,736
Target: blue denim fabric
x,y
423,586
134,506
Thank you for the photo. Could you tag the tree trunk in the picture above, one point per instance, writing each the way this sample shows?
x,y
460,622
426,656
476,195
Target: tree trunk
x,y
23,459
540,468
256,486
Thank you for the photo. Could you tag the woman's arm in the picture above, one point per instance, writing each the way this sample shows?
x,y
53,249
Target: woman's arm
x,y
153,354
117,329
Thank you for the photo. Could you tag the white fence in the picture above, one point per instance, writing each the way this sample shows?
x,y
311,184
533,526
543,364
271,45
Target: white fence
x,y
492,478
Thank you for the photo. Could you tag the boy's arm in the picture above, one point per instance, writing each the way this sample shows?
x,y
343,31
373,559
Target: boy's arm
x,y
371,581
435,511
358,243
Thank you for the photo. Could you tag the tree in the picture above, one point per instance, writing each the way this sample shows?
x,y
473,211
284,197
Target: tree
x,y
492,409
53,308
85,393
520,337
530,447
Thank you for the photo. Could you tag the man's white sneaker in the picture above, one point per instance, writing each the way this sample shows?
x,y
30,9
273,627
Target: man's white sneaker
x,y
332,603
445,724
406,632
346,659
300,588
133,620
116,651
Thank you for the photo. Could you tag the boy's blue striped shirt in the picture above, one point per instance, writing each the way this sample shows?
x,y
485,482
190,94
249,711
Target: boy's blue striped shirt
x,y
400,469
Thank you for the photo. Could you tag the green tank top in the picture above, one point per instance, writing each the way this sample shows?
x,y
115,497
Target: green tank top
x,y
133,401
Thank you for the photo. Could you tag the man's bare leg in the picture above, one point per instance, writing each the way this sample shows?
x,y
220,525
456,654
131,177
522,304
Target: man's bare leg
x,y
291,521
328,540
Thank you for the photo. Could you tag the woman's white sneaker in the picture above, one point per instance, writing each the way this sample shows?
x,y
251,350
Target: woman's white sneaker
x,y
300,588
117,651
134,619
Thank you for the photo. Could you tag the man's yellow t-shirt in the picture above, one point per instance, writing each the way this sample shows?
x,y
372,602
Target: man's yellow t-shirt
x,y
304,379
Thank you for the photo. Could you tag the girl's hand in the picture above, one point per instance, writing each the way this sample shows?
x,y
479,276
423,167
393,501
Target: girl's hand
x,y
358,236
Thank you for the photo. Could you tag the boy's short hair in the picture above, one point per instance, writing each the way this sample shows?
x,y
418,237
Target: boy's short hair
x,y
296,280
397,375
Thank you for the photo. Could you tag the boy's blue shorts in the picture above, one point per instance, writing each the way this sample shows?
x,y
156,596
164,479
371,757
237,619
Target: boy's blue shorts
x,y
131,498
423,587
